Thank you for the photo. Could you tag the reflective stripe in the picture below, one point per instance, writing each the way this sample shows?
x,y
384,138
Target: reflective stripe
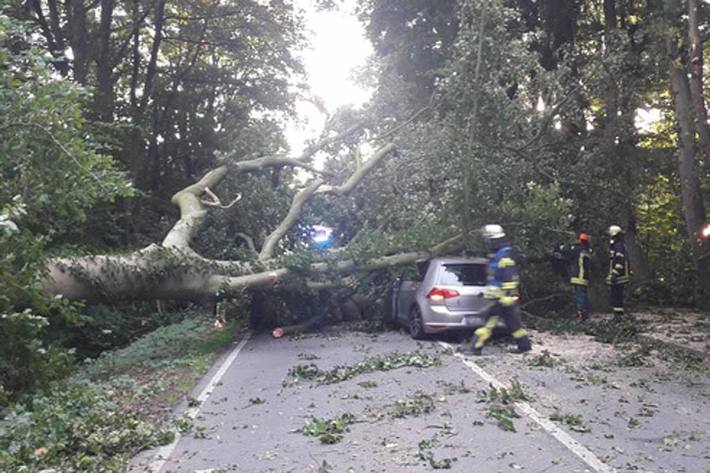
x,y
581,278
506,262
485,332
493,292
618,309
510,286
508,300
520,333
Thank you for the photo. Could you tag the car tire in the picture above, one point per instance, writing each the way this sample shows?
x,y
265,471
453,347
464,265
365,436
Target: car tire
x,y
416,324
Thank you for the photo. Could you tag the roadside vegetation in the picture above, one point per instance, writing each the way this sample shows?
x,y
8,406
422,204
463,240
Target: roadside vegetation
x,y
111,407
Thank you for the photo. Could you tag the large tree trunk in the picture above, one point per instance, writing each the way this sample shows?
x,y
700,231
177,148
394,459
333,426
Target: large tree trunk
x,y
104,97
77,23
693,208
697,94
172,270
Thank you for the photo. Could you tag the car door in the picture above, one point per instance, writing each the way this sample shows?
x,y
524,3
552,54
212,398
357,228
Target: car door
x,y
408,291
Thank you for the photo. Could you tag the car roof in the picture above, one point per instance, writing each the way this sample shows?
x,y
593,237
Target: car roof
x,y
458,260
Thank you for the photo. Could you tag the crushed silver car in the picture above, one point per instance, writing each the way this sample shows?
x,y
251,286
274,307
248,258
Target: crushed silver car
x,y
446,295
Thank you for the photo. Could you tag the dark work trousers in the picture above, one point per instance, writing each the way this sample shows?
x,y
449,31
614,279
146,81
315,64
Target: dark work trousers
x,y
581,300
510,315
512,320
617,300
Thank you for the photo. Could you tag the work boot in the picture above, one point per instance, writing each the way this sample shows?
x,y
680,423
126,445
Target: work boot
x,y
472,351
524,344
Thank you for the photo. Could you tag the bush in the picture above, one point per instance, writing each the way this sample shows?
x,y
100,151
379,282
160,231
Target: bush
x,y
76,427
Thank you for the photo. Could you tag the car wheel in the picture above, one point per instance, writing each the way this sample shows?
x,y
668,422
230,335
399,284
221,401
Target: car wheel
x,y
416,324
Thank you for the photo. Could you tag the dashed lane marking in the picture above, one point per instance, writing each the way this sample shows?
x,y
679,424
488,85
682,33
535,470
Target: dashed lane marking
x,y
563,437
163,453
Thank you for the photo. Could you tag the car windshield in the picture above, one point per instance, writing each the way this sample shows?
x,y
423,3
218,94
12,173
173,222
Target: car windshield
x,y
464,274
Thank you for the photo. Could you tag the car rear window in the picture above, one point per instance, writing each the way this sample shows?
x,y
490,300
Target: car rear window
x,y
463,274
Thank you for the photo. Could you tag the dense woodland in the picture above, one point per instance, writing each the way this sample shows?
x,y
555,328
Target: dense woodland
x,y
115,115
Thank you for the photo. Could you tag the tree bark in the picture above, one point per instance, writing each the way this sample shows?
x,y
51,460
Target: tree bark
x,y
695,55
77,23
693,208
104,97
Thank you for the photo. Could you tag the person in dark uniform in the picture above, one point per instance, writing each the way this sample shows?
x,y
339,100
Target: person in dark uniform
x,y
619,271
502,292
580,264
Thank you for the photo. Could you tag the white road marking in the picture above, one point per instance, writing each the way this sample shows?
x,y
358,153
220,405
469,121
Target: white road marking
x,y
563,437
163,453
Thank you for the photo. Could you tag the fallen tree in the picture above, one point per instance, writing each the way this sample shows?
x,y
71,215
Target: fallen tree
x,y
173,270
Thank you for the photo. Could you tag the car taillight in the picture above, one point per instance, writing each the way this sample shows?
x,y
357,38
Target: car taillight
x,y
437,295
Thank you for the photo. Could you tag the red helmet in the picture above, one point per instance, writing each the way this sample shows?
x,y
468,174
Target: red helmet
x,y
583,237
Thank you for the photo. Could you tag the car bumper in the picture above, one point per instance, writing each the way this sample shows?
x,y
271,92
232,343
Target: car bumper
x,y
439,319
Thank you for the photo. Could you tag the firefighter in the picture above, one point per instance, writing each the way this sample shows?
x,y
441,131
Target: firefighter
x,y
502,292
619,271
580,259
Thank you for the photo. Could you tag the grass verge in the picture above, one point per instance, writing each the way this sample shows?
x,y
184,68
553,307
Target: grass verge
x,y
100,417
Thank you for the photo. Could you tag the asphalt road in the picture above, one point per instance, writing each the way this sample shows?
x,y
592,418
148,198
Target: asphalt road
x,y
606,417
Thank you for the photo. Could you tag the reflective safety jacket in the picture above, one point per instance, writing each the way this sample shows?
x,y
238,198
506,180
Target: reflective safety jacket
x,y
619,271
503,278
580,258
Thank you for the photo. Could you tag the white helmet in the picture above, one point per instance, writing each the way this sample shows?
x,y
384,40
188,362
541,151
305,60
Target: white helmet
x,y
492,232
614,230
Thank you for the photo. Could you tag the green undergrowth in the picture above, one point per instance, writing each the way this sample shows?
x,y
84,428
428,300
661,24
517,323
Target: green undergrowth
x,y
387,362
112,408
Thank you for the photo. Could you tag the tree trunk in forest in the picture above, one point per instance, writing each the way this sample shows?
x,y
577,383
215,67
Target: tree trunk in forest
x,y
104,97
693,207
695,55
77,22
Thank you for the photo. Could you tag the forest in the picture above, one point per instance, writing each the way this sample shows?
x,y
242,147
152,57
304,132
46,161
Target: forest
x,y
146,175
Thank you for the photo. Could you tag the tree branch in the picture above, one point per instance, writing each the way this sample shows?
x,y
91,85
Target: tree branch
x,y
358,175
299,200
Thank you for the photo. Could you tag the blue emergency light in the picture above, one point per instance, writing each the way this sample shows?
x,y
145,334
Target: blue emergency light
x,y
322,236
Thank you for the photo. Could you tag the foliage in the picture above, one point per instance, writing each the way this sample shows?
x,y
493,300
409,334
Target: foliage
x,y
329,431
370,364
426,454
501,404
52,174
414,405
573,421
96,420
544,359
